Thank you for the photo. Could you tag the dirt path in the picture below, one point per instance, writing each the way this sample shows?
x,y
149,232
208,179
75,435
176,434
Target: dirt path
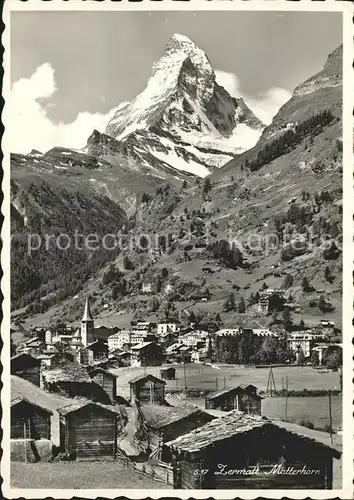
x,y
126,443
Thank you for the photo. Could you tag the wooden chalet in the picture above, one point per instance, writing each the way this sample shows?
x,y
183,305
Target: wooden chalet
x,y
147,389
165,423
89,430
146,354
242,397
270,300
22,389
105,379
27,367
265,449
94,353
29,420
99,348
72,380
30,423
168,373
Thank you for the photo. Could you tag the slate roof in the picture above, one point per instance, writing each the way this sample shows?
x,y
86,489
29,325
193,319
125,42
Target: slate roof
x,y
77,405
71,372
147,376
20,399
232,424
157,416
237,388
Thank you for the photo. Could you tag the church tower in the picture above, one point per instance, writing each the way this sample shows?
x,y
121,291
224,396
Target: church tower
x,y
87,326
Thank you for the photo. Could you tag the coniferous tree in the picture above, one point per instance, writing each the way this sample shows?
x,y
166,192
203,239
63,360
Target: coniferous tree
x,y
241,305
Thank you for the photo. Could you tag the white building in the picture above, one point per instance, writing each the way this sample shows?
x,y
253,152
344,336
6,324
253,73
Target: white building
x,y
118,340
191,339
264,332
327,327
163,328
303,341
227,332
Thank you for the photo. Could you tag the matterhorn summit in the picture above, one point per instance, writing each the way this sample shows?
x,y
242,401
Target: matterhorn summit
x,y
195,123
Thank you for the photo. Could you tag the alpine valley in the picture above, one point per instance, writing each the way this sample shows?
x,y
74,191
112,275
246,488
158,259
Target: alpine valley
x,y
188,166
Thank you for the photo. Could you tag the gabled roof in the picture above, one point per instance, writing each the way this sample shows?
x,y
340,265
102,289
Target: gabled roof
x,y
19,400
71,372
87,312
24,389
20,361
237,388
148,376
232,424
93,372
141,345
71,408
157,416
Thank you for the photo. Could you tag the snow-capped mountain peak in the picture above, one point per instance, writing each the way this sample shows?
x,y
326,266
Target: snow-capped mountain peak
x,y
183,101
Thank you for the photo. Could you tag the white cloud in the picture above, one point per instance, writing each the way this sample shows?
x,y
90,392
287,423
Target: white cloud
x,y
265,105
29,126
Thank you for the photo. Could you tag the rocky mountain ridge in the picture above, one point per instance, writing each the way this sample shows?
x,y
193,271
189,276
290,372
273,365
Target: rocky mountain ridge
x,y
183,100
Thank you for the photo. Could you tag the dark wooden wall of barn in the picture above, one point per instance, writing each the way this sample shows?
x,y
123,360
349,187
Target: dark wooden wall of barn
x,y
245,402
85,428
266,449
107,383
37,423
149,391
175,429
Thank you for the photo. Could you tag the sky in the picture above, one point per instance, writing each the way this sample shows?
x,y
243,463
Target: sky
x,y
71,70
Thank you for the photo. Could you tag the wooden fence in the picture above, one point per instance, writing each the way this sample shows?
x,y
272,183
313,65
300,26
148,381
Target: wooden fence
x,y
157,470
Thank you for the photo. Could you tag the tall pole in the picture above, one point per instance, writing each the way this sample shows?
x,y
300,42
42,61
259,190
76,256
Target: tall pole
x,y
330,415
224,382
185,373
286,398
24,435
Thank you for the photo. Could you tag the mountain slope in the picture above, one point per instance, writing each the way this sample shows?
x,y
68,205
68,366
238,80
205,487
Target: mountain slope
x,y
183,101
288,190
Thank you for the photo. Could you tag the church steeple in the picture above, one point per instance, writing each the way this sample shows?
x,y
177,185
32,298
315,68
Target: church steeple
x,y
87,312
87,326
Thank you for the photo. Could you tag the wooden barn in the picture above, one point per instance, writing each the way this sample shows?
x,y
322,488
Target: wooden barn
x,y
164,423
241,451
30,431
27,367
146,354
72,380
22,389
168,373
147,389
29,420
89,431
105,379
242,397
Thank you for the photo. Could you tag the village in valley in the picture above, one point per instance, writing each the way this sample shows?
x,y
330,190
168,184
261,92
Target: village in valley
x,y
145,397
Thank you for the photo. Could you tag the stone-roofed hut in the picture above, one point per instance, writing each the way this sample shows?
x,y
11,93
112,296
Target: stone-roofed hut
x,y
164,423
72,380
243,397
147,389
260,454
27,367
89,430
